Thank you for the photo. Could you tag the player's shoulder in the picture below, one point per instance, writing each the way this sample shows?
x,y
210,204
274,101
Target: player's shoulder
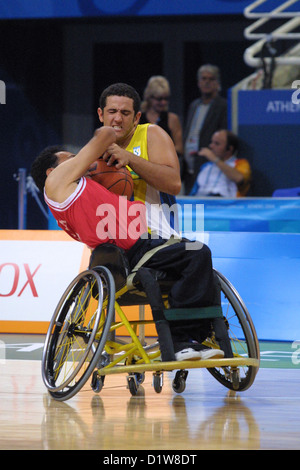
x,y
156,132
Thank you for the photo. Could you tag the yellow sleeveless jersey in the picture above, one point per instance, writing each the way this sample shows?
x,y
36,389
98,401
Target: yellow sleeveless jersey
x,y
161,207
138,146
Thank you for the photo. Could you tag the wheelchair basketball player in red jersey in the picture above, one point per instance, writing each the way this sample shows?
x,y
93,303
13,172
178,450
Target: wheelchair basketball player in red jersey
x,y
91,214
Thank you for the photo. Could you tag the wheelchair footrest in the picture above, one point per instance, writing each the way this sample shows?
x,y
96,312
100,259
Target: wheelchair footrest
x,y
174,314
238,361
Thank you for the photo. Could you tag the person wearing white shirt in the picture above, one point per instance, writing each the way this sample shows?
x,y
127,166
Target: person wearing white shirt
x,y
224,174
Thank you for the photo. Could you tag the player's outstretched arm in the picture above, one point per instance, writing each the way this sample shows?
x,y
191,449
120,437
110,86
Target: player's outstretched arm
x,y
61,180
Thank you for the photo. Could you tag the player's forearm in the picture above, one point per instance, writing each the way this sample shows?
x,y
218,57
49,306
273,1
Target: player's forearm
x,y
161,177
102,139
230,172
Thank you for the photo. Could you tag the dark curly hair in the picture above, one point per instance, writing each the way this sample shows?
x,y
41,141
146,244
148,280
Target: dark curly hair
x,y
46,159
121,89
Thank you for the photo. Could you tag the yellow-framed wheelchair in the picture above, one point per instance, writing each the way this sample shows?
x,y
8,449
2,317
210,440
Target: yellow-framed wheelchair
x,y
83,343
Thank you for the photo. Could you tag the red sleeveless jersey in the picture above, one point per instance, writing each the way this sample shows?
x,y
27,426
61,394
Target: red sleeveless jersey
x,y
93,215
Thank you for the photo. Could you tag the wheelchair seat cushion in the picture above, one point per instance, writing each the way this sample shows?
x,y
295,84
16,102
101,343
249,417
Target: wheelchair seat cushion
x,y
115,259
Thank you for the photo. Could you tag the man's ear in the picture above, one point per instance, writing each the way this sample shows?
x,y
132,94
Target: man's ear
x,y
100,114
137,117
48,171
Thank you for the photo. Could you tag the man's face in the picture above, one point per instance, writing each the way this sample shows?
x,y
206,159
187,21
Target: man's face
x,y
159,102
219,144
63,156
119,114
208,84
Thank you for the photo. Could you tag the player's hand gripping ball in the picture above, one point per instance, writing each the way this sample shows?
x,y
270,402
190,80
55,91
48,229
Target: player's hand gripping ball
x,y
118,181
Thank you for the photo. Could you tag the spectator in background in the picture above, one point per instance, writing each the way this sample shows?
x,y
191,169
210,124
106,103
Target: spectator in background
x,y
155,110
224,174
206,115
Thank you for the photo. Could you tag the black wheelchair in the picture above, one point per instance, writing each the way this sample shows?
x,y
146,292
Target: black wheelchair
x,y
82,341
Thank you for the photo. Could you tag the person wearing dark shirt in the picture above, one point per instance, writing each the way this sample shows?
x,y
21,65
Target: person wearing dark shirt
x,y
206,115
155,110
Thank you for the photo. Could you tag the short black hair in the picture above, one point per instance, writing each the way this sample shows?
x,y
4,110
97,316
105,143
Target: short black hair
x,y
46,159
121,89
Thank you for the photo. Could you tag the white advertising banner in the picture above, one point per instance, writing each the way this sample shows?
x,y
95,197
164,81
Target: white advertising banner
x,y
34,274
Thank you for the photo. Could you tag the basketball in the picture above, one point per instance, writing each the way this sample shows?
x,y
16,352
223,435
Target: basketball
x,y
118,181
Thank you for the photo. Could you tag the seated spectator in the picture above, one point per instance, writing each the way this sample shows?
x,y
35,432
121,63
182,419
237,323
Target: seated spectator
x,y
224,174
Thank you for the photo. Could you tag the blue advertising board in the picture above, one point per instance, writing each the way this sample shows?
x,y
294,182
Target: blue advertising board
x,y
91,8
268,128
272,107
281,215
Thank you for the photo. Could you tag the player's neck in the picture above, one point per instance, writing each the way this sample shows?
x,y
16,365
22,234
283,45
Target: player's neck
x,y
123,142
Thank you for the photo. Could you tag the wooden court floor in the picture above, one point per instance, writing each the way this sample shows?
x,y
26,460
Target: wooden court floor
x,y
205,416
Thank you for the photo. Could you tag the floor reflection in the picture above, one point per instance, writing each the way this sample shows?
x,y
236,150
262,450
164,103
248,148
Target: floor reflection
x,y
149,421
205,416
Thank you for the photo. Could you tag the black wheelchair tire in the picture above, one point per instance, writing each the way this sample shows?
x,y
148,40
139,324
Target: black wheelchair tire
x,y
249,339
62,329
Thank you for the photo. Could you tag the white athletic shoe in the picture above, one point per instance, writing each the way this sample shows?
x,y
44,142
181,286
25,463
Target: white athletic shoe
x,y
189,354
209,353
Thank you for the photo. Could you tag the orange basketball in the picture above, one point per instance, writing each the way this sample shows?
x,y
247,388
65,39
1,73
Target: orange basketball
x,y
117,181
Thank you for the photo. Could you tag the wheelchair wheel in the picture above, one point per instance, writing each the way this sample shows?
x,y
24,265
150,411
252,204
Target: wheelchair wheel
x,y
77,333
242,336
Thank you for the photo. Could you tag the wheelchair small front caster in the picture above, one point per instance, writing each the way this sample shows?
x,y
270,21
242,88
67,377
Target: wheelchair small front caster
x,y
158,381
134,380
235,378
179,381
132,384
97,382
140,377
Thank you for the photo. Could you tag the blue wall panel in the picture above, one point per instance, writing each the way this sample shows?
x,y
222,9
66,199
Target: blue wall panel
x,y
268,126
265,269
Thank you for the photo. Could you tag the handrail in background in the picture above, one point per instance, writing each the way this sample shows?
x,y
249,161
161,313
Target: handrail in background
x,y
285,31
